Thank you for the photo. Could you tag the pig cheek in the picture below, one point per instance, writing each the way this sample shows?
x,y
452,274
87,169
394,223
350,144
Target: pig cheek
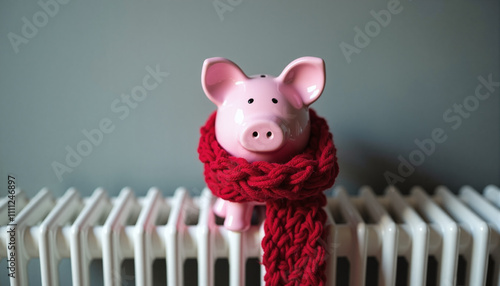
x,y
291,96
299,129
227,127
296,120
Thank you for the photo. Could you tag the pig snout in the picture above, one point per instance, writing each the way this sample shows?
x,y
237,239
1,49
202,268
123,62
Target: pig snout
x,y
262,136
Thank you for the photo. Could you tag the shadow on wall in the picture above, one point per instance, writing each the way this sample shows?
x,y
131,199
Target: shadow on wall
x,y
363,163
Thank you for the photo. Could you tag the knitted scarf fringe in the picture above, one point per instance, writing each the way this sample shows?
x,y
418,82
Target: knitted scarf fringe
x,y
295,241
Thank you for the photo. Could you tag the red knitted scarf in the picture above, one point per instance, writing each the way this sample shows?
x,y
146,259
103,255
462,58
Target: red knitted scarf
x,y
295,248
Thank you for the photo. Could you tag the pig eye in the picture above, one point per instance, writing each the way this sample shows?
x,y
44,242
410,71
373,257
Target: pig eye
x,y
275,100
262,75
250,101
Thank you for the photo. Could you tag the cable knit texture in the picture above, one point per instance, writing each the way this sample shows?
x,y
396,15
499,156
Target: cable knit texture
x,y
295,241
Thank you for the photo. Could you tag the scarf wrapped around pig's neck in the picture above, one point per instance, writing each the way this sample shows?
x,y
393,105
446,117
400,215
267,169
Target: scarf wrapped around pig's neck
x,y
295,241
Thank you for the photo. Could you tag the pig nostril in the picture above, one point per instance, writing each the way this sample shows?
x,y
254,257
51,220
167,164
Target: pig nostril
x,y
262,135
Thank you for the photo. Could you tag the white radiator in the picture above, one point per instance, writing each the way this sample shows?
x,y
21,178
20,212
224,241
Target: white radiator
x,y
374,240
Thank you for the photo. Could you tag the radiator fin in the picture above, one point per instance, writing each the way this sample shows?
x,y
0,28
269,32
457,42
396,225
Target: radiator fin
x,y
390,239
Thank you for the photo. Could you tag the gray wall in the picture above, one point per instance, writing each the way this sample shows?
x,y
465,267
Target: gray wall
x,y
69,75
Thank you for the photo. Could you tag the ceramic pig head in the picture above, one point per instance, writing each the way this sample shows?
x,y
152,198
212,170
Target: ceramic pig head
x,y
261,117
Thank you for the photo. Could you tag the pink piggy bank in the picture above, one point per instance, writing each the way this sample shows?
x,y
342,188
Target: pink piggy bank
x,y
261,117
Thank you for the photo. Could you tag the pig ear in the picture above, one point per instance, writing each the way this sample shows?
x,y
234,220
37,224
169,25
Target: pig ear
x,y
218,76
306,77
